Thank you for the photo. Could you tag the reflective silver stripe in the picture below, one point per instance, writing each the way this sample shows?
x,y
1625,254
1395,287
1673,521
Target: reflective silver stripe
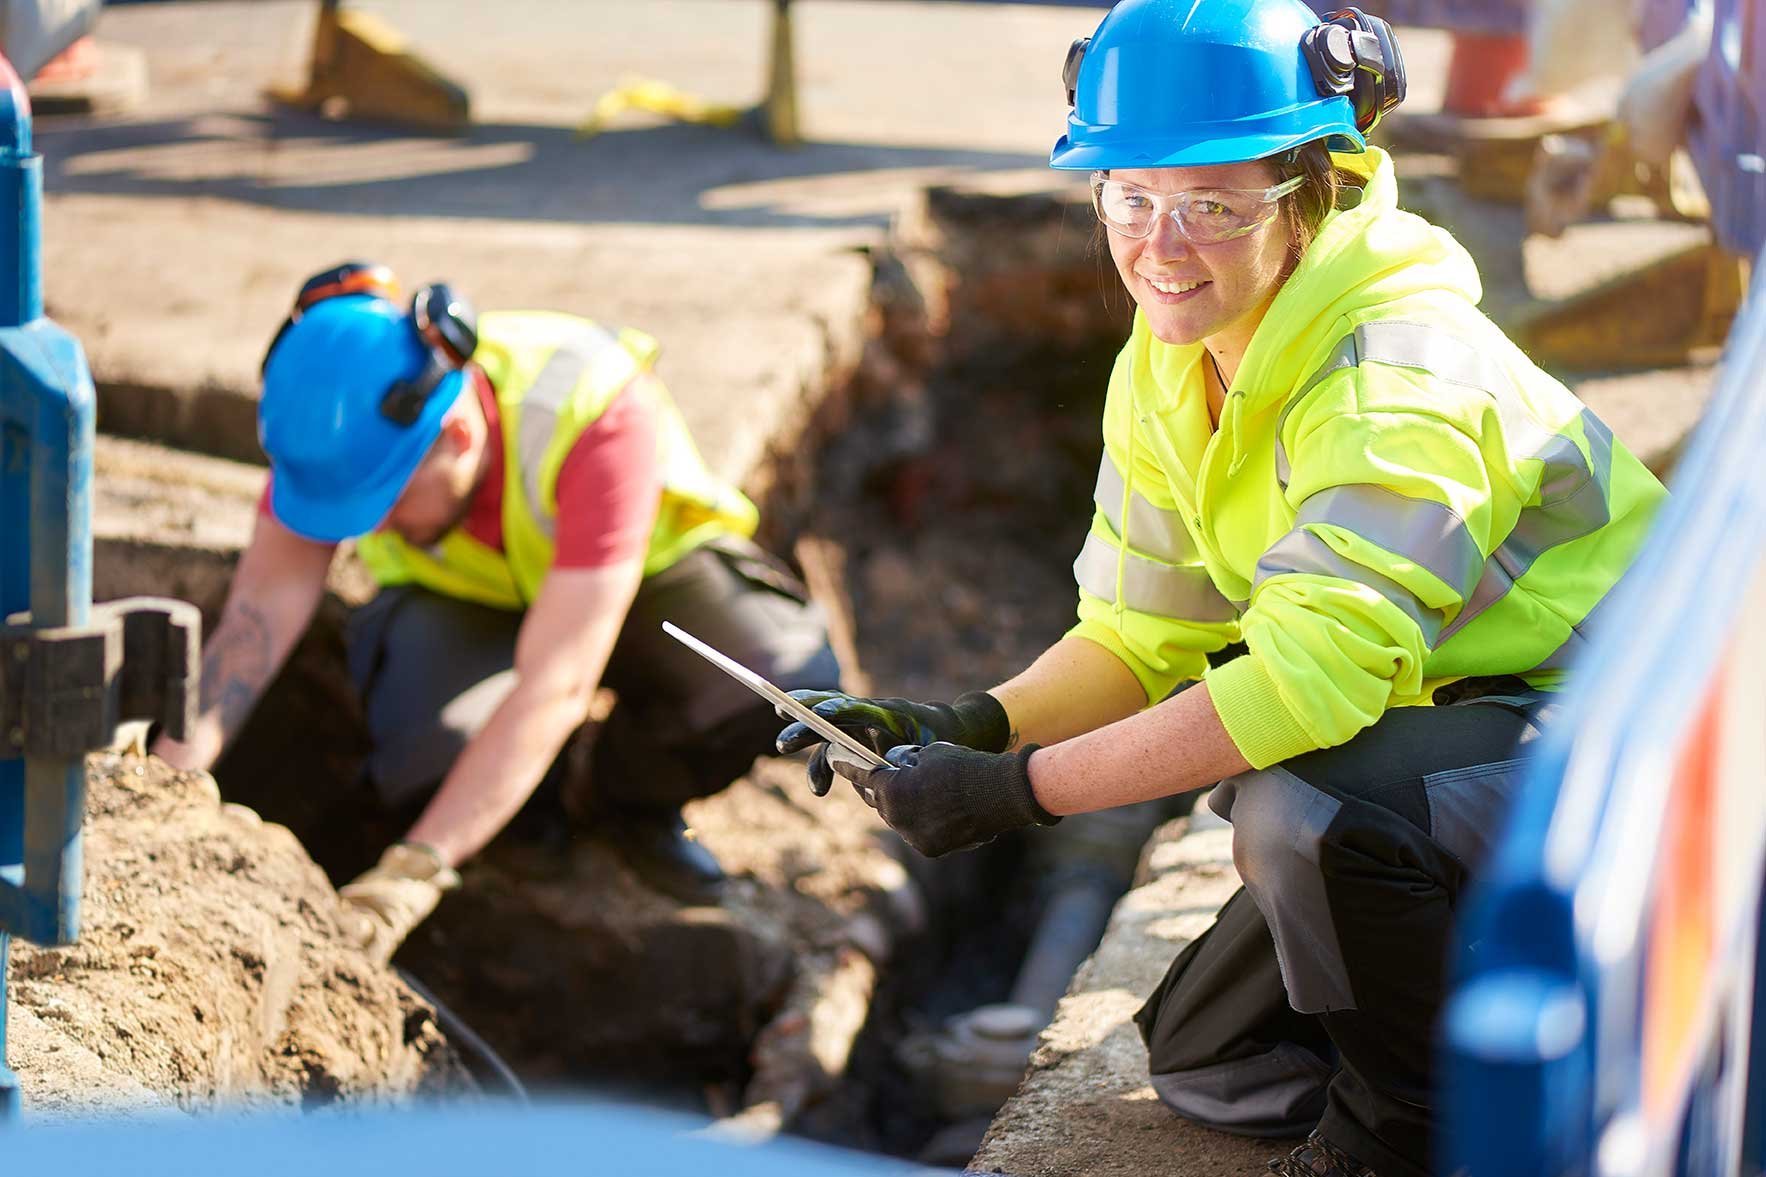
x,y
1437,352
1581,508
1427,349
1302,551
1428,534
1183,593
1574,496
1160,534
1573,490
559,376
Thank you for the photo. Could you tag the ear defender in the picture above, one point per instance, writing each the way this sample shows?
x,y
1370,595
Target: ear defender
x,y
1070,67
448,327
1355,54
444,322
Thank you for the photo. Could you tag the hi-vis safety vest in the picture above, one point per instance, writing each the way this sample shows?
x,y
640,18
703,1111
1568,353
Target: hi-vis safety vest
x,y
1395,498
554,375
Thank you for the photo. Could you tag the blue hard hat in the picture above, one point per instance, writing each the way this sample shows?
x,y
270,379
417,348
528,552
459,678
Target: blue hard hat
x,y
1174,83
339,460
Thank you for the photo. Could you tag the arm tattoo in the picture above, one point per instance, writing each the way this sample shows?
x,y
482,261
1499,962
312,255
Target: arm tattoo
x,y
236,666
1012,741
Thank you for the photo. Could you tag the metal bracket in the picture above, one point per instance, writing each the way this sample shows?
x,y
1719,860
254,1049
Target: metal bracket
x,y
64,690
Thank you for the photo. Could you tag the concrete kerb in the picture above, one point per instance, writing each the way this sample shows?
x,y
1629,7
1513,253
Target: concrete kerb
x,y
1086,1108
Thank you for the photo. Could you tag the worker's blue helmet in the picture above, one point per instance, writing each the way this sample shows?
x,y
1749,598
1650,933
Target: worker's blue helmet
x,y
353,399
1174,83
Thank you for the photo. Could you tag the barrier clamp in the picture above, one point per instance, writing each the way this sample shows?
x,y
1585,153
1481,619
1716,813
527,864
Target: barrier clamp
x,y
64,689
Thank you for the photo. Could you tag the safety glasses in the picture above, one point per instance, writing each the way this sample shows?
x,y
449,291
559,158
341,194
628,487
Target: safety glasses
x,y
1205,216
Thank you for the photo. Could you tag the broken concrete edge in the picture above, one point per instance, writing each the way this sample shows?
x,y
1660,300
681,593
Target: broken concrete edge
x,y
1086,1107
218,417
215,420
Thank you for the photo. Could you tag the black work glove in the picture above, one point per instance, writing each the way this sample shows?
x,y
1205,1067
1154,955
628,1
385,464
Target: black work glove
x,y
942,797
974,720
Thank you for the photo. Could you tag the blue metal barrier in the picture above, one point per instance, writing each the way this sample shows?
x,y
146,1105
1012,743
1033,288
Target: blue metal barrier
x,y
46,432
1607,1009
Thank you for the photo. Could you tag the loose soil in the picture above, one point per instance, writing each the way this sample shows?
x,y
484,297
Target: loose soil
x,y
209,967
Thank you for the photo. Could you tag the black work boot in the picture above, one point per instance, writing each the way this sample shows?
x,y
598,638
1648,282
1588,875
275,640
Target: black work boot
x,y
662,852
1318,1157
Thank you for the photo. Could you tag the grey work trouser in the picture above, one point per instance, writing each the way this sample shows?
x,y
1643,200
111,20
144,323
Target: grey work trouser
x,y
1313,998
432,669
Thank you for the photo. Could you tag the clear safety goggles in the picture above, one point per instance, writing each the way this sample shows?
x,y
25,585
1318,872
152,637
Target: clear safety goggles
x,y
1205,216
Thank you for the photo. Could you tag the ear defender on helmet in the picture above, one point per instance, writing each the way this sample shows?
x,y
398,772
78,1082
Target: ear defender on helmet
x,y
1356,54
445,322
1070,67
448,327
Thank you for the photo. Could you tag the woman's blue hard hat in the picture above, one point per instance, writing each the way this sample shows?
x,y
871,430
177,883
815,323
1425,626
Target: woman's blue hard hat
x,y
338,461
1177,83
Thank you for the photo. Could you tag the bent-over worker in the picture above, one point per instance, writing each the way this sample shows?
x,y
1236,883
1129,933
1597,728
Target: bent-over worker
x,y
531,503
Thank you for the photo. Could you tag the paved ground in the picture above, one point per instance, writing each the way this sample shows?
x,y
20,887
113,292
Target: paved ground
x,y
175,237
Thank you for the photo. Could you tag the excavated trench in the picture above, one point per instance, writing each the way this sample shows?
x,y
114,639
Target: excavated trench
x,y
935,503
959,556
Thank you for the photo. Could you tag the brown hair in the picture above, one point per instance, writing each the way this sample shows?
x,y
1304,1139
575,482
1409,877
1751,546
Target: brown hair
x,y
1305,209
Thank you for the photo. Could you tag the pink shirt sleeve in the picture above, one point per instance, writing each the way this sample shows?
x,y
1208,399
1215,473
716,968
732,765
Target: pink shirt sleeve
x,y
610,485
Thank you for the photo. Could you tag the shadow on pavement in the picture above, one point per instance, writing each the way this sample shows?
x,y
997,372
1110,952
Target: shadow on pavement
x,y
668,174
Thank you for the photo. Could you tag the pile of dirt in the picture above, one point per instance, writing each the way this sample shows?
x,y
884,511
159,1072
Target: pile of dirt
x,y
209,967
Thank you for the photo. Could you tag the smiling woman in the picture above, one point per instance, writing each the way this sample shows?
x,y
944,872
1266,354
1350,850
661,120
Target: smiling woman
x,y
1200,249
1164,227
1340,504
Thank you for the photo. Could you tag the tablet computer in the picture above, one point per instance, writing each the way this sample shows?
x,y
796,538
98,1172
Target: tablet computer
x,y
825,728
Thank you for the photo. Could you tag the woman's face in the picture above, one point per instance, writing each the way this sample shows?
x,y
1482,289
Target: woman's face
x,y
1192,292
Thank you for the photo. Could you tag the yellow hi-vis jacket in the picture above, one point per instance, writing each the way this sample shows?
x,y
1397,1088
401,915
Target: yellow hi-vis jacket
x,y
1396,497
554,375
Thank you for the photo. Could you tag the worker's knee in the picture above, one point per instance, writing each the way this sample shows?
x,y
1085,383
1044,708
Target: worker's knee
x,y
1279,1092
1280,825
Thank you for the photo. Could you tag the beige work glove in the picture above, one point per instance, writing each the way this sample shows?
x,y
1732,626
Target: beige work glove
x,y
379,909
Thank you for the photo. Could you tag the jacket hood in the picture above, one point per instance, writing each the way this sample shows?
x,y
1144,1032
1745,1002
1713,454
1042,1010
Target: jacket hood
x,y
1364,256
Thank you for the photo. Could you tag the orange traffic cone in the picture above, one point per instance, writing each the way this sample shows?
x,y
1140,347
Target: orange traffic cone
x,y
1482,66
77,62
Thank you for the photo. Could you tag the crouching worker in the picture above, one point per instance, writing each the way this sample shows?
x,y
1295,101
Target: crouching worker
x,y
1327,473
533,508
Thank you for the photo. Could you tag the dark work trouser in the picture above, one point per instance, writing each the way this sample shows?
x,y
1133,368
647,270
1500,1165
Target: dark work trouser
x,y
1313,998
432,669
